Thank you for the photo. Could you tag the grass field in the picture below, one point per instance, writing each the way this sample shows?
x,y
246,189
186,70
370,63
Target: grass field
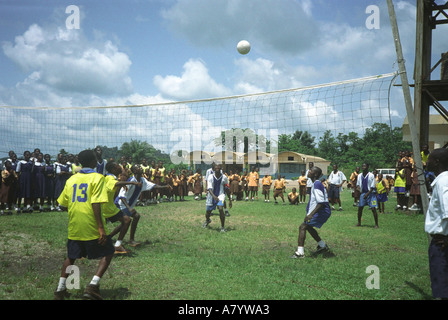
x,y
180,260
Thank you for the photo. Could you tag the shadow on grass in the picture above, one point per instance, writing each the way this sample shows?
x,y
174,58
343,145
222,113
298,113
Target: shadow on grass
x,y
325,254
106,294
419,290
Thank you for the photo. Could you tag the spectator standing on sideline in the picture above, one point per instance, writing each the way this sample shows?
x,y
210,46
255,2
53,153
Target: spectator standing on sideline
x,y
436,223
367,185
335,182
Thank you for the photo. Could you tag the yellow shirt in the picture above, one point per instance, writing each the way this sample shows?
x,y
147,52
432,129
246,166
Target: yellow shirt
x,y
266,181
380,188
253,179
293,195
80,192
400,182
424,157
162,174
302,180
279,184
109,209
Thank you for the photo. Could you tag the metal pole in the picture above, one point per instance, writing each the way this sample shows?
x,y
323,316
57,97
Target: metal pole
x,y
409,108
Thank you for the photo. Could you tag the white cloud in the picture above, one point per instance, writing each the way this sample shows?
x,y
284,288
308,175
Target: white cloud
x,y
195,82
65,61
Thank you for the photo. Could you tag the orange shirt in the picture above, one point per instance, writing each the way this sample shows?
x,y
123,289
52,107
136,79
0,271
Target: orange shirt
x,y
266,181
302,180
279,184
253,179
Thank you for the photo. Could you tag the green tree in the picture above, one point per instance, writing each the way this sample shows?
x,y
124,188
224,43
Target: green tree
x,y
142,149
299,141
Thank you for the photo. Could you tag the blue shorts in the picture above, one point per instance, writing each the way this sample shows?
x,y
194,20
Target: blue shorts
x,y
400,190
91,249
214,205
116,217
438,264
126,212
320,218
333,192
371,201
382,197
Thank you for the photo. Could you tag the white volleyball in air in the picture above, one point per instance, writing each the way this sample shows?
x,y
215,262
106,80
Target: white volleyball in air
x,y
243,47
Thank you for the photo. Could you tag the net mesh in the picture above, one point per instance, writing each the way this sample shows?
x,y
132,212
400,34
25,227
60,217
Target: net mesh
x,y
341,107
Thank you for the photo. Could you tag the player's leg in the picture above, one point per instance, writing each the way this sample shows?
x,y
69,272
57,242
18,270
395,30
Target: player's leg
x,y
134,223
375,217
208,213
105,253
222,218
61,292
360,208
299,253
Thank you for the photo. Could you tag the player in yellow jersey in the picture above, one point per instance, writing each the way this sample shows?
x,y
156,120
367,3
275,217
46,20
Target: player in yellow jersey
x,y
109,210
83,195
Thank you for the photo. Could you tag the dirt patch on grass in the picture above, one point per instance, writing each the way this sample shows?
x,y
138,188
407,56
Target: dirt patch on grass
x,y
22,253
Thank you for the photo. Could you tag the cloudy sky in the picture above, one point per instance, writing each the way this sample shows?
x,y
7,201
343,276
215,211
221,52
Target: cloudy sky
x,y
132,52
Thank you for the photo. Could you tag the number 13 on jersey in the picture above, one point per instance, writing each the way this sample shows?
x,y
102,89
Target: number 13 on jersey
x,y
80,192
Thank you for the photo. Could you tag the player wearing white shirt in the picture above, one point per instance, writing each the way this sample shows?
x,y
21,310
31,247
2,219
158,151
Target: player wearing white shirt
x,y
216,195
128,196
335,182
367,187
317,213
208,173
436,223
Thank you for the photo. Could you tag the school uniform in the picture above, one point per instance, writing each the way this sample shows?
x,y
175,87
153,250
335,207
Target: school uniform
x,y
266,183
400,183
302,185
235,183
61,179
381,191
49,180
278,188
8,187
197,183
436,225
217,186
131,194
366,183
24,169
293,197
335,179
253,181
39,180
318,195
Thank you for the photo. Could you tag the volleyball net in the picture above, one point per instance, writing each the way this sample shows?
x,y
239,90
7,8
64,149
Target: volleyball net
x,y
238,123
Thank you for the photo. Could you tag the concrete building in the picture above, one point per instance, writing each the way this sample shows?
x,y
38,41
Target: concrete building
x,y
438,131
286,163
